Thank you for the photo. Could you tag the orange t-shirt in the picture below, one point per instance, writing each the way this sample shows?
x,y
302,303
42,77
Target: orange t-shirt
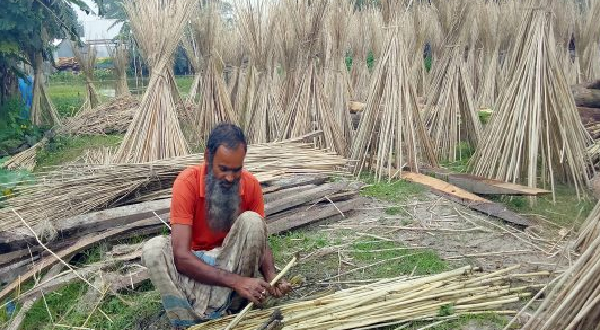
x,y
187,205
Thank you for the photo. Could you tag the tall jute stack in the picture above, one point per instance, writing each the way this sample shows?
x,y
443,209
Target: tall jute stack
x,y
309,109
120,56
535,132
337,79
392,134
155,133
214,106
451,109
43,111
87,64
261,107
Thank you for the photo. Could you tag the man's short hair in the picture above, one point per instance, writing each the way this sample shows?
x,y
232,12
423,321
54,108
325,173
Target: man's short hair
x,y
228,135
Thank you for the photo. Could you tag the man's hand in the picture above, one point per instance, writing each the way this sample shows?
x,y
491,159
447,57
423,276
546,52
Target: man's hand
x,y
253,289
281,288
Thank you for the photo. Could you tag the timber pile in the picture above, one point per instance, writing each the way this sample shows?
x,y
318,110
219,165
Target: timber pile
x,y
536,131
112,117
573,301
81,188
67,63
397,302
290,202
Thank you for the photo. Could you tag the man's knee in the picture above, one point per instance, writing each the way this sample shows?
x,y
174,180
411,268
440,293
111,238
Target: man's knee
x,y
154,250
252,222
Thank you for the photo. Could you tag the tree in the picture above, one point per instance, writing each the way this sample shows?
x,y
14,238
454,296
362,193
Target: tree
x,y
26,29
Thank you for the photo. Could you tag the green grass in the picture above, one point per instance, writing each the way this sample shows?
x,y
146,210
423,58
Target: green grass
x,y
423,262
476,321
567,211
184,83
67,98
464,154
394,190
142,305
66,149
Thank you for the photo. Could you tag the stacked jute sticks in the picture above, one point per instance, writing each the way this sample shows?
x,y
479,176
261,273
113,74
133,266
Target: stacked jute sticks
x,y
81,188
398,301
155,132
535,133
572,304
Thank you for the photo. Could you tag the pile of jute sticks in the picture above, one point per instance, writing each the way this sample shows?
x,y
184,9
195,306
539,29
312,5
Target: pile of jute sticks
x,y
399,301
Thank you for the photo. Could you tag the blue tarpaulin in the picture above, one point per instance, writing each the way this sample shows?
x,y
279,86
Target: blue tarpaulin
x,y
26,90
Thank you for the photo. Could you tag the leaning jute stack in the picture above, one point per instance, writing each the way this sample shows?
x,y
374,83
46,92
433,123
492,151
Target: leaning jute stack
x,y
590,230
573,303
81,188
392,133
155,133
398,301
535,134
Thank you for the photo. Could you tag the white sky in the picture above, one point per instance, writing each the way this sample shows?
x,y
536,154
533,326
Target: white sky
x,y
95,27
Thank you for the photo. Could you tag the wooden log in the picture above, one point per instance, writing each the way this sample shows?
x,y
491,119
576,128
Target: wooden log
x,y
303,197
483,186
80,245
312,215
463,197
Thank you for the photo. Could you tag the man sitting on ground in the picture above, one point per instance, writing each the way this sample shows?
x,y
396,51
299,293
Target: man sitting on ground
x,y
210,265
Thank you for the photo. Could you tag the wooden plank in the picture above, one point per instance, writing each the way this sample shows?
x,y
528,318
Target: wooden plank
x,y
312,215
483,186
442,186
303,197
81,244
463,197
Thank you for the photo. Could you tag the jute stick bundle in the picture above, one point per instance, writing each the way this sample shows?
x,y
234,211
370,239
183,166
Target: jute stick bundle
x,y
43,112
392,134
261,107
80,188
155,133
111,117
393,301
573,302
215,103
337,80
590,230
87,64
25,160
451,109
309,108
535,132
120,56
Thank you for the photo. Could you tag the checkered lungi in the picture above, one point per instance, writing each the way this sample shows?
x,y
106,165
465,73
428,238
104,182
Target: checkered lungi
x,y
188,302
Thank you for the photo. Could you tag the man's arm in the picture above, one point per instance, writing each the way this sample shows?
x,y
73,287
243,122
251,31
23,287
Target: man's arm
x,y
268,270
191,266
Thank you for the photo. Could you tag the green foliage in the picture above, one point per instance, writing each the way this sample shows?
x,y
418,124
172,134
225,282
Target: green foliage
x,y
422,262
484,116
394,190
63,305
371,60
567,211
446,310
427,62
393,210
15,130
65,149
465,152
67,97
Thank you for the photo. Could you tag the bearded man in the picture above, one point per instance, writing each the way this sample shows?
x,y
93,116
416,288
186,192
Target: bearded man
x,y
213,261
